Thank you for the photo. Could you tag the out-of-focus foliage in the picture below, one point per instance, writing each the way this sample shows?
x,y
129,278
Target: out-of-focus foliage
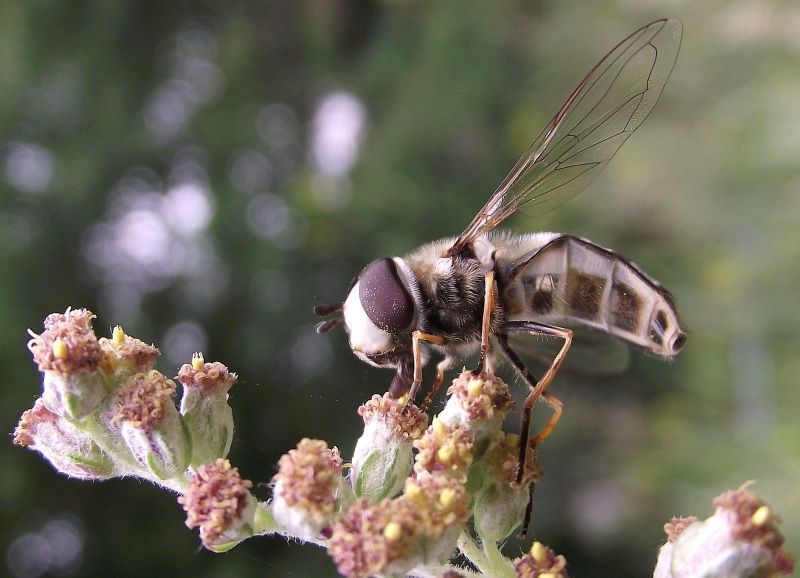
x,y
204,173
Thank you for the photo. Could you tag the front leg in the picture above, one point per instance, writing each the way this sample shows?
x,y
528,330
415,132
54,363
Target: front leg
x,y
441,367
416,352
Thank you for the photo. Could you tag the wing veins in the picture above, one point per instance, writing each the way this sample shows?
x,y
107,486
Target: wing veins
x,y
622,70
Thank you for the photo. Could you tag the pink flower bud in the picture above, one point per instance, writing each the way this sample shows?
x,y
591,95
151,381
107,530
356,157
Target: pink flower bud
x,y
379,539
444,450
741,538
395,535
151,426
218,501
205,408
124,355
68,449
307,488
68,354
477,403
383,456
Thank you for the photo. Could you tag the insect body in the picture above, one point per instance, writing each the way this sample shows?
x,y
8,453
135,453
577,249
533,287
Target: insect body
x,y
472,292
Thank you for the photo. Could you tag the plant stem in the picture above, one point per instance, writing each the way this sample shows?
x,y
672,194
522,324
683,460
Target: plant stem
x,y
501,566
474,554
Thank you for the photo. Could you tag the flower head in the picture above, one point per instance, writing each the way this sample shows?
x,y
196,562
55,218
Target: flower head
x,y
145,399
307,486
375,539
68,343
125,355
442,500
69,450
444,449
541,562
68,354
151,426
406,422
383,456
218,501
204,405
478,403
741,538
206,377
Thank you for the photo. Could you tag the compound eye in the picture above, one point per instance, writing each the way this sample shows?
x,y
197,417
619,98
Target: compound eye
x,y
384,298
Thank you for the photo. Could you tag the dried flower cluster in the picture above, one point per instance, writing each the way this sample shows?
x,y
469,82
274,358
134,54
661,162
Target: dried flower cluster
x,y
218,501
412,497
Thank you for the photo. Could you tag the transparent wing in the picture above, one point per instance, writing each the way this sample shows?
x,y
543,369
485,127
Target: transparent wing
x,y
600,114
592,353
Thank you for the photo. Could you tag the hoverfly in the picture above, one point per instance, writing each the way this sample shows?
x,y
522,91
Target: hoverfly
x,y
454,296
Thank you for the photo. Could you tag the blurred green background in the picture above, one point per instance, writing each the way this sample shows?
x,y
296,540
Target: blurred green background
x,y
205,172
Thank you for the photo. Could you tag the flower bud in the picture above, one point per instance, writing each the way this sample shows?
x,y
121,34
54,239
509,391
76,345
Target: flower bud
x,y
205,408
218,501
151,426
389,538
124,355
541,562
443,505
479,404
308,487
68,449
68,354
383,456
444,450
376,539
500,502
741,538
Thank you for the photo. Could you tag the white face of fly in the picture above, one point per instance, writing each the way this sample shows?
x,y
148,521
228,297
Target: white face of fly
x,y
380,311
366,338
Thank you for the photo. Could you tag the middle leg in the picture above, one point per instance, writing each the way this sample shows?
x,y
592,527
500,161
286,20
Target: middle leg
x,y
538,387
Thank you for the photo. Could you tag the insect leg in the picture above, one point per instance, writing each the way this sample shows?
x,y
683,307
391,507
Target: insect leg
x,y
558,407
489,298
441,367
416,351
538,387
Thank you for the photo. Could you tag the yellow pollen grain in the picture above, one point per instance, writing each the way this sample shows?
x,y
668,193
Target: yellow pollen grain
x,y
403,399
118,336
392,532
539,552
474,387
197,361
413,492
439,429
447,497
762,516
547,575
60,349
445,454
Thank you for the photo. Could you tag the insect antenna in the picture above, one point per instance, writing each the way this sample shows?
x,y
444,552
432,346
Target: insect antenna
x,y
323,310
328,324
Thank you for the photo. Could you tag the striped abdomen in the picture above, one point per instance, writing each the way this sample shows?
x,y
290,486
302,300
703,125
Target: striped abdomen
x,y
573,281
